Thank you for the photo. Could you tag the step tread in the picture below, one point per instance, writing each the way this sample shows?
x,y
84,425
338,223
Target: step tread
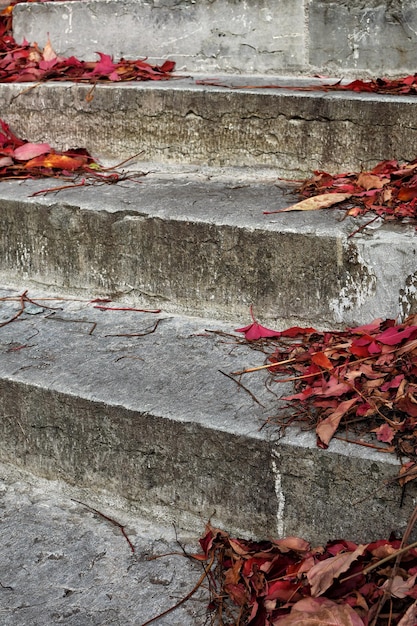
x,y
202,246
169,373
61,561
152,420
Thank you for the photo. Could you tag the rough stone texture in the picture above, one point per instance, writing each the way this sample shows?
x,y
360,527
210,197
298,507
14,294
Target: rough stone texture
x,y
151,420
179,122
351,37
205,248
373,37
208,35
62,563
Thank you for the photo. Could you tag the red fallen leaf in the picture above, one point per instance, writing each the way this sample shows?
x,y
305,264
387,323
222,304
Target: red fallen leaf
x,y
368,328
332,389
322,360
256,331
312,612
294,331
7,137
394,335
407,193
167,66
105,66
324,573
394,383
31,150
282,590
384,433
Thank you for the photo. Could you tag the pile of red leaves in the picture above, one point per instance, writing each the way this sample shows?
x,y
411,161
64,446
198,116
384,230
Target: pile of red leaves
x,y
389,191
286,582
392,86
406,85
20,159
28,63
361,380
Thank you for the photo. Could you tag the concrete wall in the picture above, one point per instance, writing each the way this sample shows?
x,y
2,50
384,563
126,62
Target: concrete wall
x,y
335,37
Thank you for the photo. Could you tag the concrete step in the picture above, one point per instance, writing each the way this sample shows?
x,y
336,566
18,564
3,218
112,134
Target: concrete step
x,y
61,562
181,122
203,247
152,421
292,36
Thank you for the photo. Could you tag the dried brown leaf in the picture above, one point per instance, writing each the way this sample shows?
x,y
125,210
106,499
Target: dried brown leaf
x,y
327,427
410,618
324,573
310,612
371,181
323,201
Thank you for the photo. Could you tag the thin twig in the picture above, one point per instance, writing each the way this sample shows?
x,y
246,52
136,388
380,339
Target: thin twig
x,y
147,332
19,313
254,398
125,308
109,519
187,597
263,367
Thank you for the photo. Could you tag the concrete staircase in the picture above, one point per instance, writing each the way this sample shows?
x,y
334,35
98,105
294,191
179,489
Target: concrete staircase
x,y
151,419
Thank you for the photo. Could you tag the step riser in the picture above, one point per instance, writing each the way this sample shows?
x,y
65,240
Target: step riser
x,y
186,474
290,36
178,122
183,256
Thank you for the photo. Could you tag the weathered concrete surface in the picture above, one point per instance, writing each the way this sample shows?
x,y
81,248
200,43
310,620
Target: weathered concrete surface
x,y
351,37
208,35
367,38
151,420
205,248
62,563
180,122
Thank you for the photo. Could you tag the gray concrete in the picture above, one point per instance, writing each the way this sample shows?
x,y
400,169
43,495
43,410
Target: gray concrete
x,y
212,36
179,122
365,38
347,37
205,248
151,420
62,563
